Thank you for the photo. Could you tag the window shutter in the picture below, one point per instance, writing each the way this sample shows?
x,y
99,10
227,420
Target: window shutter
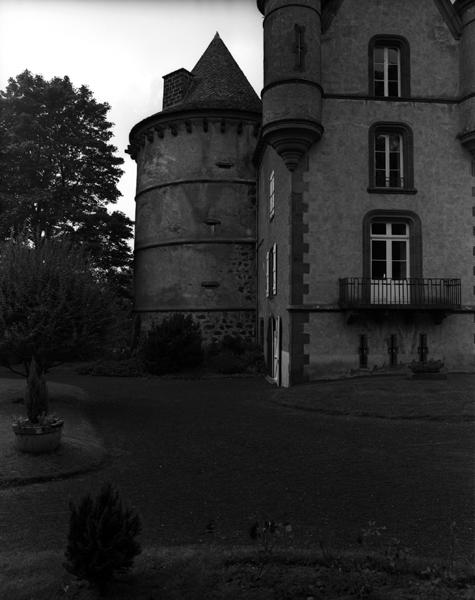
x,y
274,269
267,274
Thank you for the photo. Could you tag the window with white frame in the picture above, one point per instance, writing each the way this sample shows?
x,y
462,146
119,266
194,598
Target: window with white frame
x,y
271,194
389,67
388,160
387,71
267,274
274,269
271,271
391,157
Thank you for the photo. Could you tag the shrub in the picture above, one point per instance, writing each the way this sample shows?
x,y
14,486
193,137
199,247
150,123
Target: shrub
x,y
101,538
227,363
235,354
234,343
127,367
36,394
172,345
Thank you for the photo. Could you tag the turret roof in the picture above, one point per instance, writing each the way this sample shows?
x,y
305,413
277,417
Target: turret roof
x,y
218,82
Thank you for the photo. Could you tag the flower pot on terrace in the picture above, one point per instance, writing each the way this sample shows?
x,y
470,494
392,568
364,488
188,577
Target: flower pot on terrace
x,y
38,438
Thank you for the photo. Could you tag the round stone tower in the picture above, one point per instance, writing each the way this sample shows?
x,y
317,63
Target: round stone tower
x,y
292,93
195,203
466,11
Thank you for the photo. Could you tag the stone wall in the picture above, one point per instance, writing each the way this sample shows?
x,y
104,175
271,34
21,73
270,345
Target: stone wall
x,y
214,324
331,199
195,216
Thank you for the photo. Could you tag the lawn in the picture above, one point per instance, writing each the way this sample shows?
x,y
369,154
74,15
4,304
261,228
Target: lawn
x,y
211,572
450,400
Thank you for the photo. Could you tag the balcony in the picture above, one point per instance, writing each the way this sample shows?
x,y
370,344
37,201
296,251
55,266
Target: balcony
x,y
359,293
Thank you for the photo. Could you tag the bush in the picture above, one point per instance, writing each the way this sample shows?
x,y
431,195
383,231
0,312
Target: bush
x,y
226,363
235,355
101,538
234,343
127,367
172,345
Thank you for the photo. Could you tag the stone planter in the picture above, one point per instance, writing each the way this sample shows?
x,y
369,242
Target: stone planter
x,y
38,439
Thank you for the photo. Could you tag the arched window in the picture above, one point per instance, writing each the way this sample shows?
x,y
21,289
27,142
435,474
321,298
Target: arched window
x,y
389,67
391,158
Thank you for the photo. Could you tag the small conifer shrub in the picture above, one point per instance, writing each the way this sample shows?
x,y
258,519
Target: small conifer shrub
x,y
172,345
101,539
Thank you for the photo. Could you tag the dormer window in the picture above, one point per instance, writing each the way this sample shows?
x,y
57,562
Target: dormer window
x,y
389,75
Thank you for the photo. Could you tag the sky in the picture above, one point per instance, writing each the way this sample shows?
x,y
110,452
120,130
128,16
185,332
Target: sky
x,y
121,49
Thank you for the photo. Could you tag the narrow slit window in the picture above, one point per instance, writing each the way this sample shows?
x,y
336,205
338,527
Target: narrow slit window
x,y
274,269
267,274
271,195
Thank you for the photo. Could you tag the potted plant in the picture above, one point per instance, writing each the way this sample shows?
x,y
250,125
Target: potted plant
x,y
429,369
428,366
39,431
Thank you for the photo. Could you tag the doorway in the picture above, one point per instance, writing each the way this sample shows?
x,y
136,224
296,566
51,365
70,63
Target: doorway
x,y
274,344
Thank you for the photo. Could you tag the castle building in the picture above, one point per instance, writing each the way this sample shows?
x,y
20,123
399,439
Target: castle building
x,y
359,253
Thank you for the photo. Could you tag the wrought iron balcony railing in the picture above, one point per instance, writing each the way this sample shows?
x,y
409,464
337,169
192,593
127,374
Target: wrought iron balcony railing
x,y
414,293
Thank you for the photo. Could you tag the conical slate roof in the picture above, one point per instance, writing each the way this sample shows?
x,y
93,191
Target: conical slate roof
x,y
218,82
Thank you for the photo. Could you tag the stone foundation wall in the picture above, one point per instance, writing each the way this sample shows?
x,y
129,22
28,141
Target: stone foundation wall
x,y
214,324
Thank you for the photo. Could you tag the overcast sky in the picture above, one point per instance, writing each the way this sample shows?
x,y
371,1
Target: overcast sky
x,y
121,49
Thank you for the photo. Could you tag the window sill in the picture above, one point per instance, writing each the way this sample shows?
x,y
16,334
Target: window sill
x,y
389,190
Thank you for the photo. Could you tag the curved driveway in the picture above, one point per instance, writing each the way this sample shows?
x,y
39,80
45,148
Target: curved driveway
x,y
186,453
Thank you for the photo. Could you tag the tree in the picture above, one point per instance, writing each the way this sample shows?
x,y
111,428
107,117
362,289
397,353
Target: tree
x,y
58,171
51,306
101,538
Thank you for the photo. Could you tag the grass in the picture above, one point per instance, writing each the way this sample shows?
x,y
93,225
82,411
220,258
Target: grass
x,y
386,397
211,572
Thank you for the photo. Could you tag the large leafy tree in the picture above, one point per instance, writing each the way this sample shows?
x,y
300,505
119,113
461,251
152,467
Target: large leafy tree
x,y
59,171
52,308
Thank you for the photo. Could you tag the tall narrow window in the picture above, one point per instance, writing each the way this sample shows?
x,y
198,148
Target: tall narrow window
x,y
389,251
392,245
387,71
391,158
271,272
274,269
392,256
388,160
267,274
271,195
389,67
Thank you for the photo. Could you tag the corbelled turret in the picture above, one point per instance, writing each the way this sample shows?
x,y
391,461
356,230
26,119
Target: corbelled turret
x,y
292,94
